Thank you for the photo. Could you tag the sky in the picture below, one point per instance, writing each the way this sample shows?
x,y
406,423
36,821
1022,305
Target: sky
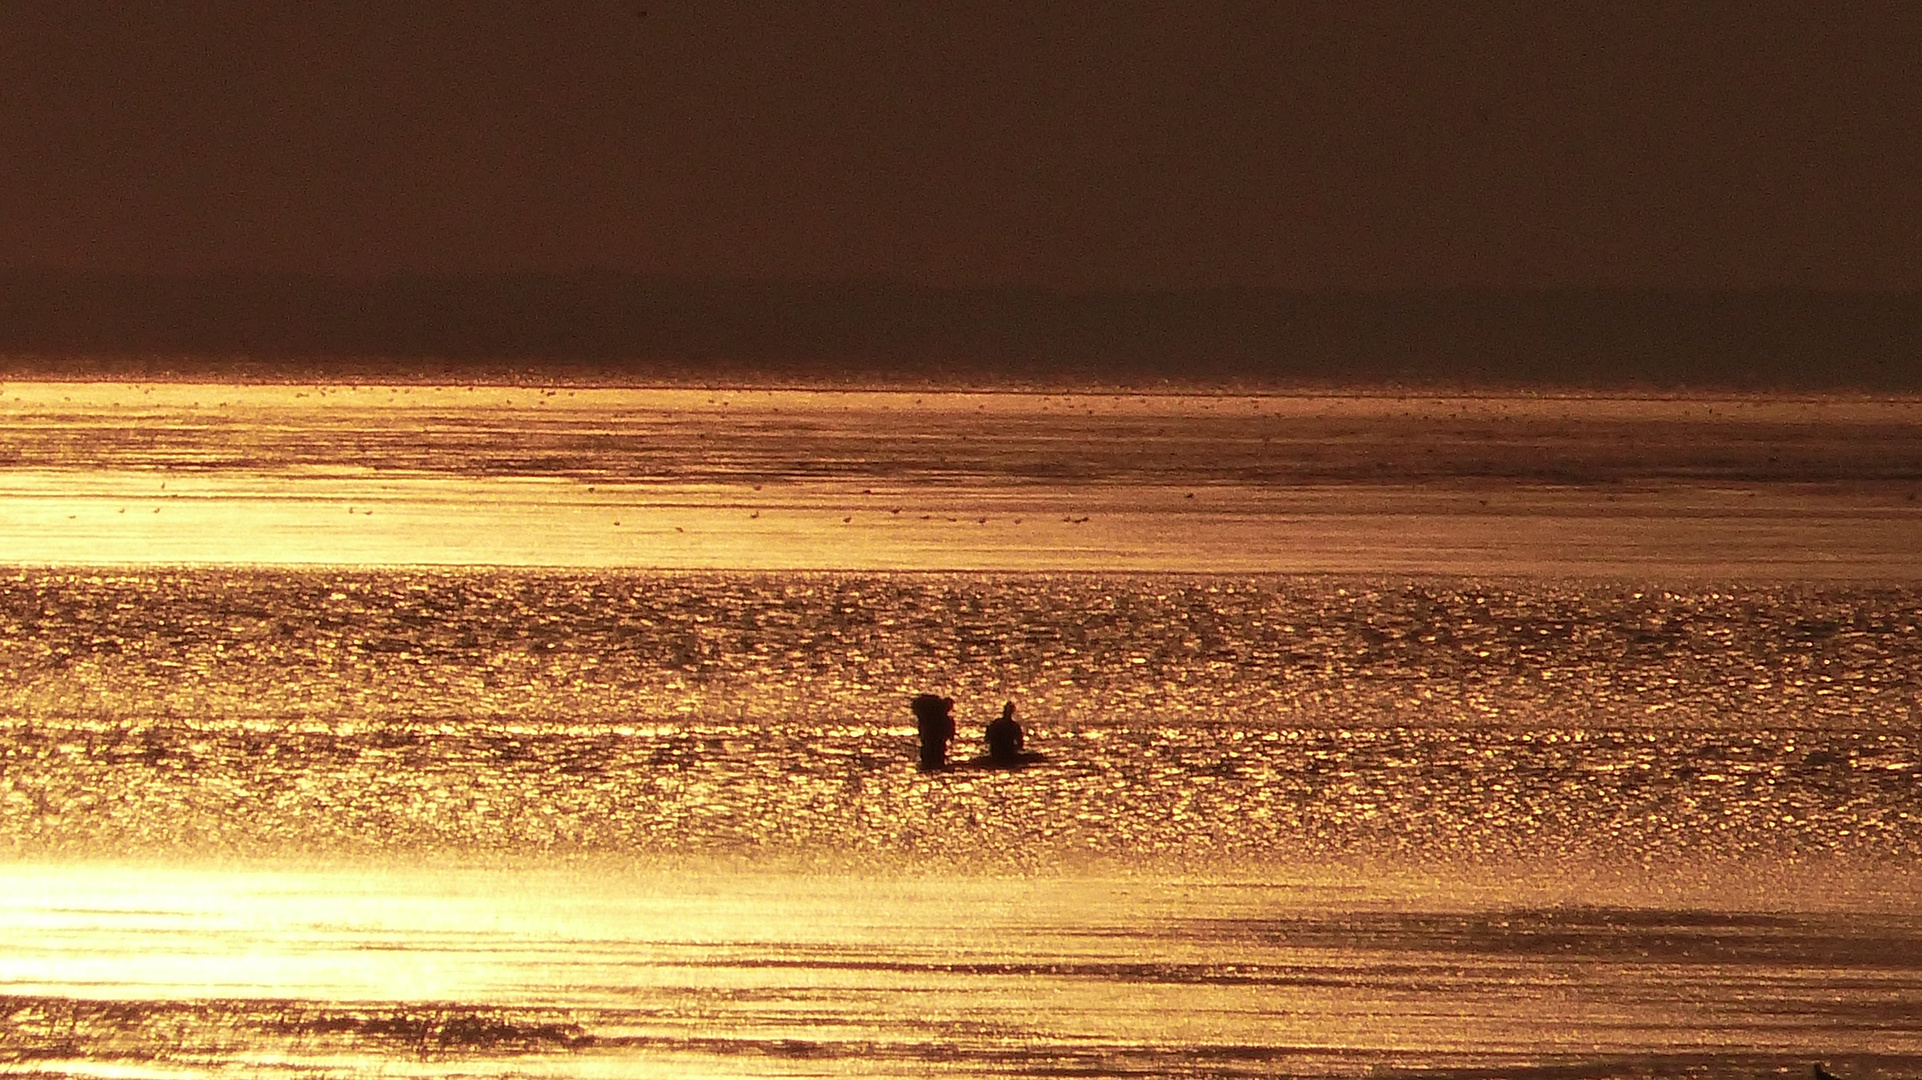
x,y
1067,146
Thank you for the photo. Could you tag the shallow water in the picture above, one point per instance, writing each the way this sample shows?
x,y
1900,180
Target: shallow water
x,y
1470,800
259,712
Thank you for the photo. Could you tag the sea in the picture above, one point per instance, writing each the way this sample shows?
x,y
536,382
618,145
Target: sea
x,y
562,731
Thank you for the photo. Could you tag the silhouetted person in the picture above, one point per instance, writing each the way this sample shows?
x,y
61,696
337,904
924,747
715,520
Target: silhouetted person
x,y
1004,736
934,715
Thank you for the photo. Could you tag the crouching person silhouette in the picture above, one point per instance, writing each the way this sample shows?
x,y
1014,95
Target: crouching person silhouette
x,y
934,715
1004,737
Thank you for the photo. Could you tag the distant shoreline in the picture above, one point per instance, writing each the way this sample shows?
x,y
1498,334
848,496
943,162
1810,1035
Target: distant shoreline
x,y
142,371
631,331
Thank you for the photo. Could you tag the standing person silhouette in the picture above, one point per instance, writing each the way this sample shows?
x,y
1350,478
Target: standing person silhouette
x,y
934,715
1004,736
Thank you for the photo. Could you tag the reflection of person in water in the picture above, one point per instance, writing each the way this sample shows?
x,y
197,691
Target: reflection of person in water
x,y
934,715
1004,736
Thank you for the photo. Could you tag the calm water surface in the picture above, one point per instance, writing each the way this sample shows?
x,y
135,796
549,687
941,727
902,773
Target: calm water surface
x,y
1595,751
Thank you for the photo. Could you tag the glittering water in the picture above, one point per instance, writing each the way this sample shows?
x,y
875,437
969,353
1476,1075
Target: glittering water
x,y
265,817
381,711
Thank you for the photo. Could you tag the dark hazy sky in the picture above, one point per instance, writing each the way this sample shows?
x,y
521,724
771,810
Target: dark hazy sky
x,y
1059,144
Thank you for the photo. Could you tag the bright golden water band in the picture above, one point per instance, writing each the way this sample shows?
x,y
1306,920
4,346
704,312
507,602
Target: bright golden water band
x,y
1772,488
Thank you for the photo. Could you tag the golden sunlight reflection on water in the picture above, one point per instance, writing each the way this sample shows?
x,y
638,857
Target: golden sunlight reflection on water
x,y
603,821
768,972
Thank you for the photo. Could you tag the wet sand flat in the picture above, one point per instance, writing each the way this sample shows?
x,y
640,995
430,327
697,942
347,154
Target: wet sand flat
x,y
638,971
